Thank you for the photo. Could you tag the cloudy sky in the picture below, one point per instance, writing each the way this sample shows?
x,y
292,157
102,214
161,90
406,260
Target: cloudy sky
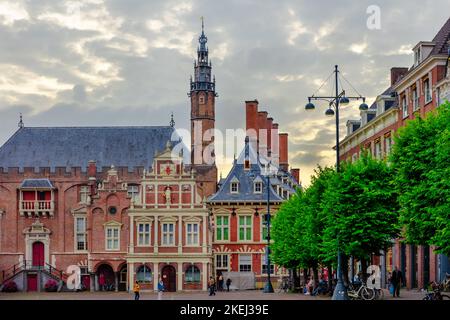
x,y
99,62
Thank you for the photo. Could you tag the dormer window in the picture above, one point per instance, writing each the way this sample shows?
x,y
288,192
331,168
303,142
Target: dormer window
x,y
258,187
247,164
417,56
234,187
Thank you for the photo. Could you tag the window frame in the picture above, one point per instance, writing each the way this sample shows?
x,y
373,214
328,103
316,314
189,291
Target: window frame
x,y
405,112
143,233
222,227
133,194
82,233
232,184
112,238
166,234
246,227
84,194
428,96
220,266
144,266
196,275
240,262
191,234
259,183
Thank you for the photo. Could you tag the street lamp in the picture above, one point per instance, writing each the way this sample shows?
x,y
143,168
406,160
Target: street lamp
x,y
340,292
268,288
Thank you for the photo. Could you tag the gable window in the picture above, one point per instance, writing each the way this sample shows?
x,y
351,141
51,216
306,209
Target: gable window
x,y
427,90
133,192
80,234
258,187
222,261
144,274
404,107
245,228
245,263
168,235
222,228
192,274
84,194
192,234
143,234
234,187
247,164
112,238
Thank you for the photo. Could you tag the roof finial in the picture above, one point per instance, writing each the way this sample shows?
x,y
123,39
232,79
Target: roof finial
x,y
203,26
172,122
20,124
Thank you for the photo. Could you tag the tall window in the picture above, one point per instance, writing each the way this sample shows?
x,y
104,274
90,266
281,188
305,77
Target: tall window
x,y
234,187
143,234
222,228
192,274
427,90
222,261
168,236
80,233
404,107
112,238
415,99
378,149
264,265
144,274
388,144
84,194
245,263
133,192
245,228
192,234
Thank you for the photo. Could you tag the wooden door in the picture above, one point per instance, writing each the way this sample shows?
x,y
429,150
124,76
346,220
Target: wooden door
x,y
32,282
38,254
169,277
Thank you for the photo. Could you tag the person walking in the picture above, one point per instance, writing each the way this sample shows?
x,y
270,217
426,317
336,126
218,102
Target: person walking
x,y
101,281
228,283
160,289
396,281
221,282
136,289
212,286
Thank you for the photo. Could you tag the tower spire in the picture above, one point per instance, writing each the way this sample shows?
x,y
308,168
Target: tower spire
x,y
20,124
172,122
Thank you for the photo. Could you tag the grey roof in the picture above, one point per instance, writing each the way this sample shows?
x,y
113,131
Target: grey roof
x,y
246,178
36,184
74,146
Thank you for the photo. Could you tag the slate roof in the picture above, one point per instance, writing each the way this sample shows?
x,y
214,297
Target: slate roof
x,y
246,180
74,146
441,39
36,184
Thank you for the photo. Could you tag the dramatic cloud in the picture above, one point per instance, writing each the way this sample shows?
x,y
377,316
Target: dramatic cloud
x,y
97,62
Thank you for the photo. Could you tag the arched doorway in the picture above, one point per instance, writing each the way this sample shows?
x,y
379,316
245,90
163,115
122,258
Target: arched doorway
x,y
105,277
169,278
38,254
123,276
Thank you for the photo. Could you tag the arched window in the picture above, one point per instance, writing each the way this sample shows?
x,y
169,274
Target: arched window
x,y
144,274
192,274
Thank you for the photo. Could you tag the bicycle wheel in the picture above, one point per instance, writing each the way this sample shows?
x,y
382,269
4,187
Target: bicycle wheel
x,y
445,297
367,293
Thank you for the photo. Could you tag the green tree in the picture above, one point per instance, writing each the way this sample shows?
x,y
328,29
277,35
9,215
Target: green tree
x,y
360,205
421,161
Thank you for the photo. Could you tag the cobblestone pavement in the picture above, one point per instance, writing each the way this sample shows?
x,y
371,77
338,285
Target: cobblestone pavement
x,y
236,295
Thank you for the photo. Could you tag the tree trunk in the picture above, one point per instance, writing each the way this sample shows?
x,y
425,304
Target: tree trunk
x,y
316,276
305,277
345,269
330,277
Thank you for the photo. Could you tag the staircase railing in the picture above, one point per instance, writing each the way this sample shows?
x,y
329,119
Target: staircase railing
x,y
28,265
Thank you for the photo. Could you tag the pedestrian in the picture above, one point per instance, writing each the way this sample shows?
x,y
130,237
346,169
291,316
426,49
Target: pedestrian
x,y
221,282
397,281
212,285
101,281
136,289
228,283
160,289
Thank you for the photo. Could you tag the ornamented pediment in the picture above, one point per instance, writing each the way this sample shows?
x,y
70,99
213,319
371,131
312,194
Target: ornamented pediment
x,y
192,219
112,223
79,211
144,219
168,219
36,228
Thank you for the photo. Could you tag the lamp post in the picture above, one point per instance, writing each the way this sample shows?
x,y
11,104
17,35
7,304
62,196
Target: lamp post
x,y
340,292
268,288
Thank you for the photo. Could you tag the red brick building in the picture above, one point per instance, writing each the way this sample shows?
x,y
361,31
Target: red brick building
x,y
413,92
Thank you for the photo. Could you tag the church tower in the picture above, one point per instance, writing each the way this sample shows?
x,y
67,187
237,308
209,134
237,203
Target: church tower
x,y
203,95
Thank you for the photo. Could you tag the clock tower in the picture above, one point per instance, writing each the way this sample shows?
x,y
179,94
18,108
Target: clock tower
x,y
203,94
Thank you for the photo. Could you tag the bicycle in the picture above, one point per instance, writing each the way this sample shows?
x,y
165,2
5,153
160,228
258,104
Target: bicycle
x,y
284,285
363,292
436,293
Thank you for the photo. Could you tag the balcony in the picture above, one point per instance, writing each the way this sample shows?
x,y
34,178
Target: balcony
x,y
37,208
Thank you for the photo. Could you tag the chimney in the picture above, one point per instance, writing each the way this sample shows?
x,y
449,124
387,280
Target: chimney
x,y
296,174
262,132
251,114
269,135
283,143
92,170
397,73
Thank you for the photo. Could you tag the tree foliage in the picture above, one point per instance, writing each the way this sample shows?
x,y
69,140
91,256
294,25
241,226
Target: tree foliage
x,y
421,161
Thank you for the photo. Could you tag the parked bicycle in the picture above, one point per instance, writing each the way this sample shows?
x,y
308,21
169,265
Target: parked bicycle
x,y
362,292
284,285
436,294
